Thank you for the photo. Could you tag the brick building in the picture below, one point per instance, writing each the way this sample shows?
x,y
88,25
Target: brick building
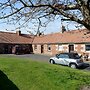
x,y
67,41
15,43
50,44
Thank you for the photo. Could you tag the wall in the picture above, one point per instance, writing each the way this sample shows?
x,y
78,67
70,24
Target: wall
x,y
80,48
45,49
38,50
54,49
57,48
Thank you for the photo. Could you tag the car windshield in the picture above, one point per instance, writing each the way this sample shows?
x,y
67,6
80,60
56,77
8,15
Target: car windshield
x,y
74,56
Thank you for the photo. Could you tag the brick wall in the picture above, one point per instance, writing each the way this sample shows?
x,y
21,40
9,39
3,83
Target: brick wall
x,y
46,51
56,48
80,48
37,50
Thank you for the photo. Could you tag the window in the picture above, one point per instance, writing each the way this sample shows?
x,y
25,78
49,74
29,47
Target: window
x,y
49,47
87,47
60,47
63,56
35,47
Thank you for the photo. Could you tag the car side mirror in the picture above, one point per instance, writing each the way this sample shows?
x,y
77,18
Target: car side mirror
x,y
57,55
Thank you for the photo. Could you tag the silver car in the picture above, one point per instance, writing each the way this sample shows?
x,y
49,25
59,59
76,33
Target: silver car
x,y
72,60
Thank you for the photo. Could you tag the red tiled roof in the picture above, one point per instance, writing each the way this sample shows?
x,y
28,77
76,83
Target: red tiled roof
x,y
74,36
7,37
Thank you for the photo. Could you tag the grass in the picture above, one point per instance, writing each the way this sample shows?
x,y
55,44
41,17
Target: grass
x,y
25,74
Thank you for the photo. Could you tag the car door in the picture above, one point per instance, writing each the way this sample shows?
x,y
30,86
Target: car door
x,y
62,59
66,59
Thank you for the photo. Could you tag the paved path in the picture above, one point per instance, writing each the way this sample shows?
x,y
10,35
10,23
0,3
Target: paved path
x,y
36,57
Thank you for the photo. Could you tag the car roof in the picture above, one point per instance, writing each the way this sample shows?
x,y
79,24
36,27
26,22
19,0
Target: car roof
x,y
68,53
71,54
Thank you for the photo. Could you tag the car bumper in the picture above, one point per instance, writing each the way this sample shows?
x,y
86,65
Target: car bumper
x,y
83,65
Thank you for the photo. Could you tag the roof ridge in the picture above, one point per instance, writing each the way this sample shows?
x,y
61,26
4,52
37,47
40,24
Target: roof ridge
x,y
7,32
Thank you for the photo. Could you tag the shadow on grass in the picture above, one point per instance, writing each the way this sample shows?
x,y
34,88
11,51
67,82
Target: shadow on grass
x,y
5,83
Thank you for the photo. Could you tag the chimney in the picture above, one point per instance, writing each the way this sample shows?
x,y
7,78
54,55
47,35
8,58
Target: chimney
x,y
18,32
39,33
63,29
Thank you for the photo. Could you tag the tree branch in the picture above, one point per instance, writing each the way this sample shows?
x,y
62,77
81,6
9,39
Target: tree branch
x,y
11,13
66,7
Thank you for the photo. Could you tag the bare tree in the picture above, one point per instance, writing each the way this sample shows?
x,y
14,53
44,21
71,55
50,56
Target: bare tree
x,y
27,10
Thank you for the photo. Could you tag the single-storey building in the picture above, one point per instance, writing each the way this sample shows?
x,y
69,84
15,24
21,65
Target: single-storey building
x,y
66,41
50,44
14,43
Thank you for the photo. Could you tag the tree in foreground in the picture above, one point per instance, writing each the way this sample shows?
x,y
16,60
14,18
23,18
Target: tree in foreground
x,y
25,11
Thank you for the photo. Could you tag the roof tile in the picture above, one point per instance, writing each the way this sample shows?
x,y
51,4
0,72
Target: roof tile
x,y
74,36
6,37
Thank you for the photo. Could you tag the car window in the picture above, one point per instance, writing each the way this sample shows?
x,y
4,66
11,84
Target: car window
x,y
74,56
63,56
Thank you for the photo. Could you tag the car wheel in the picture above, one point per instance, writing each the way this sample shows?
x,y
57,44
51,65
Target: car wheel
x,y
52,61
73,66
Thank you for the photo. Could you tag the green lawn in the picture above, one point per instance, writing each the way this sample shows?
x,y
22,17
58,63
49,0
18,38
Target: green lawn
x,y
25,74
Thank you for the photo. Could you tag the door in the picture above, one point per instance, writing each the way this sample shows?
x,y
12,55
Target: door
x,y
71,48
62,59
42,48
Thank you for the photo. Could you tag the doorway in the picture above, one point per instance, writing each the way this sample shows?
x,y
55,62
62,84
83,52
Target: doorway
x,y
71,48
42,48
